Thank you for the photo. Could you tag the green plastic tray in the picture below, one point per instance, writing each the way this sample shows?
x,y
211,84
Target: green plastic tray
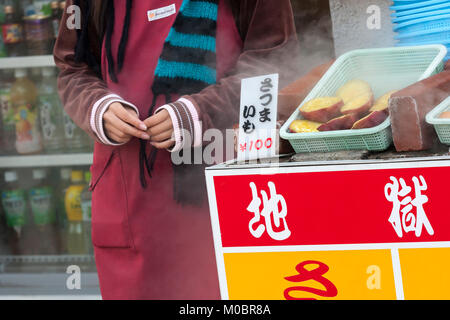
x,y
385,69
442,126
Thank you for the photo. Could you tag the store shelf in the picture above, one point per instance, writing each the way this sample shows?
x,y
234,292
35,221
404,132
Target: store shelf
x,y
46,259
57,160
47,286
27,62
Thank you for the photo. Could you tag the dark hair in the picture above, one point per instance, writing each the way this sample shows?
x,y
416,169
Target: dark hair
x,y
98,15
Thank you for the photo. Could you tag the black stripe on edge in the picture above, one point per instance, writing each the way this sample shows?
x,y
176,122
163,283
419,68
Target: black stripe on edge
x,y
198,26
180,86
189,55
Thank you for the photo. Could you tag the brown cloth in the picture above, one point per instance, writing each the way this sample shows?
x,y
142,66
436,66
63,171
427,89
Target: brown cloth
x,y
267,48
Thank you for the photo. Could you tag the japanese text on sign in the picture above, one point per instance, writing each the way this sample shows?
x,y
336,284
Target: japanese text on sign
x,y
402,217
258,117
270,212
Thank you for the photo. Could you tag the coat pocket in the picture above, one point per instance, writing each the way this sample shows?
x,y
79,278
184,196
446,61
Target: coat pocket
x,y
110,226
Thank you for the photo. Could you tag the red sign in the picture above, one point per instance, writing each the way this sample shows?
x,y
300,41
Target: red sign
x,y
336,207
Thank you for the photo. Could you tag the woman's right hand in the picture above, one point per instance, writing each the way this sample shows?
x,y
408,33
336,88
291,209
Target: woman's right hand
x,y
121,123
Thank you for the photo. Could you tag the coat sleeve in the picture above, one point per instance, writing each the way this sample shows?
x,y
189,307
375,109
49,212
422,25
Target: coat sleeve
x,y
84,95
270,40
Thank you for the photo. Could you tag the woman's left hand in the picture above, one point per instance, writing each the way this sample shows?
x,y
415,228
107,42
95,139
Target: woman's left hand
x,y
160,130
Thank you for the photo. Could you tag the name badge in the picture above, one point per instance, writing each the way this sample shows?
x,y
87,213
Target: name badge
x,y
161,13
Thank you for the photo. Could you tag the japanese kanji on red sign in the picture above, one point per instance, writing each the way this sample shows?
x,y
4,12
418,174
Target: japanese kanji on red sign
x,y
342,231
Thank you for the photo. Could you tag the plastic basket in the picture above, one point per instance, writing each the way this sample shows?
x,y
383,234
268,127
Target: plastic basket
x,y
438,36
407,2
413,17
440,6
429,23
415,5
384,69
442,126
398,2
413,42
445,43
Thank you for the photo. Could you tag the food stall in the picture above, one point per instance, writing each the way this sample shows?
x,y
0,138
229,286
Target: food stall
x,y
359,209
335,228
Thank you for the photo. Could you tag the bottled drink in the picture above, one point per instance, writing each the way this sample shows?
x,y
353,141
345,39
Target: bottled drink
x,y
5,235
64,183
51,113
75,238
62,6
12,32
43,212
2,151
2,12
15,208
38,34
75,137
28,8
56,18
3,52
8,133
86,206
24,100
35,75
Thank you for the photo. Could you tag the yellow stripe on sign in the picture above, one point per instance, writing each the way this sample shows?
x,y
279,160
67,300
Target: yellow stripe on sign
x,y
425,273
319,275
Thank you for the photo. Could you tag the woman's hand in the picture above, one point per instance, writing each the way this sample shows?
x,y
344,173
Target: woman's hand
x,y
121,123
160,130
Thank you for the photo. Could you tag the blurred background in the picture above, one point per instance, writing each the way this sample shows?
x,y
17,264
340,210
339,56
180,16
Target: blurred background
x,y
44,162
44,157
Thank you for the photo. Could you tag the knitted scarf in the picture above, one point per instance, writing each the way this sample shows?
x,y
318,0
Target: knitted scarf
x,y
186,65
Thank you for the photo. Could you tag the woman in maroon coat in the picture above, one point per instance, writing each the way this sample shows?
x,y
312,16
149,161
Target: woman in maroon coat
x,y
138,77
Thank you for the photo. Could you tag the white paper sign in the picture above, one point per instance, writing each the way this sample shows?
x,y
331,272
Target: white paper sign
x,y
161,12
258,118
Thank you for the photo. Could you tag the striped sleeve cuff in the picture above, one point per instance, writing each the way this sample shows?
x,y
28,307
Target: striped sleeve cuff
x,y
185,122
96,119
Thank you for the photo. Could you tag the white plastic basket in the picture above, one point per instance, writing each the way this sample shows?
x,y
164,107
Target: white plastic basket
x,y
385,69
442,126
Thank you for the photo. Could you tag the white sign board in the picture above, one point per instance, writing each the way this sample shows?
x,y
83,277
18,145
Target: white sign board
x,y
258,118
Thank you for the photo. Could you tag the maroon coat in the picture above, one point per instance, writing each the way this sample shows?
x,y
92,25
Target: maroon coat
x,y
146,245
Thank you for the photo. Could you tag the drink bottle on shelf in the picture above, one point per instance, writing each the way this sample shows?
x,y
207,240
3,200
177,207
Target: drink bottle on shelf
x,y
8,133
75,137
12,31
2,149
24,100
86,206
62,221
35,75
44,214
14,205
51,113
5,235
3,52
38,34
62,6
28,8
75,237
2,11
56,18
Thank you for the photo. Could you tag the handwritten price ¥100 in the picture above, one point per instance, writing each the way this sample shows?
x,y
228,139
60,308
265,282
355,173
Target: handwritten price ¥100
x,y
257,145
